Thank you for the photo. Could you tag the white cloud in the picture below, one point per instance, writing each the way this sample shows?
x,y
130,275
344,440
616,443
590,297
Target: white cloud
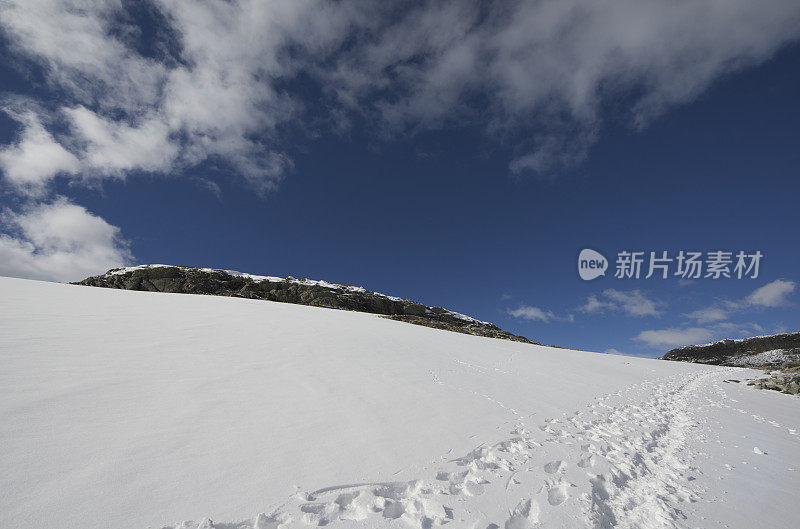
x,y
548,66
36,157
741,329
708,314
675,337
212,97
114,147
774,294
632,302
528,312
593,305
217,80
679,336
59,241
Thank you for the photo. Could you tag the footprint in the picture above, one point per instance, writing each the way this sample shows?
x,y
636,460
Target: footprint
x,y
393,510
354,505
586,462
263,521
557,493
473,489
555,466
525,514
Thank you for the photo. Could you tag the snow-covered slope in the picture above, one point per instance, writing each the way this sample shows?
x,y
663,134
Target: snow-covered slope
x,y
126,410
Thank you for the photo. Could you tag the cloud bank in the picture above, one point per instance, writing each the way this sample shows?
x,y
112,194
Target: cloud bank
x,y
159,86
162,86
59,241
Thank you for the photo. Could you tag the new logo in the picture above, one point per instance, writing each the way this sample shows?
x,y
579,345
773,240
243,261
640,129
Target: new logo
x,y
591,264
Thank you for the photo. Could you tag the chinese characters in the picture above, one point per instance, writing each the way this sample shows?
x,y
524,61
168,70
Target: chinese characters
x,y
688,265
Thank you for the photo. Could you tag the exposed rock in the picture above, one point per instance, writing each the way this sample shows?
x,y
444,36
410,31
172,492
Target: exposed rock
x,y
786,381
488,330
189,280
776,350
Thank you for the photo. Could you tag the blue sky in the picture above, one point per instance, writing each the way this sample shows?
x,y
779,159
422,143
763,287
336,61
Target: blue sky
x,y
458,154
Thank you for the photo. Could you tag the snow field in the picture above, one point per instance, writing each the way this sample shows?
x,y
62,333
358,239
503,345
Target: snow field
x,y
145,410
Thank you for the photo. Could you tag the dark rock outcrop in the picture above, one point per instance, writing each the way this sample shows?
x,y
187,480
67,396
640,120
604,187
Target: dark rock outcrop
x,y
188,280
776,350
787,381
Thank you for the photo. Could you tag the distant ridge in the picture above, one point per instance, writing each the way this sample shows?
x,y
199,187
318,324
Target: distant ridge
x,y
775,350
215,282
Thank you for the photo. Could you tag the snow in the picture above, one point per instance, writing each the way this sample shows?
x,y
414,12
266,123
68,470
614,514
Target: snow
x,y
146,410
465,317
774,356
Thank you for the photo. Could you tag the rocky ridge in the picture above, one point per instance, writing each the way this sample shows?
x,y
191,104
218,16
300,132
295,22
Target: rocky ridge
x,y
774,350
777,354
208,281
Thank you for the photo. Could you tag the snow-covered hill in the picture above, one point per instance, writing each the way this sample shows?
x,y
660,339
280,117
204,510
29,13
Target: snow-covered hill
x,y
133,410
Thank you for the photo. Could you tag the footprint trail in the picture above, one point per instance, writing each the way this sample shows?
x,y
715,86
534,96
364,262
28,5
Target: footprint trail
x,y
621,461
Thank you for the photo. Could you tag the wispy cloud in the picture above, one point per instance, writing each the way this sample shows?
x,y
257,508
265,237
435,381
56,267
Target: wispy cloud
x,y
708,314
632,302
528,312
713,318
594,305
546,68
674,337
773,294
679,336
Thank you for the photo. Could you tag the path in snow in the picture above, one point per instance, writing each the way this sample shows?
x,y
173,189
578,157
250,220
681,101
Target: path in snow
x,y
620,462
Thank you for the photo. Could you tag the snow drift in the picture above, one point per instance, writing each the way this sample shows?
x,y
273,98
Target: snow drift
x,y
128,410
